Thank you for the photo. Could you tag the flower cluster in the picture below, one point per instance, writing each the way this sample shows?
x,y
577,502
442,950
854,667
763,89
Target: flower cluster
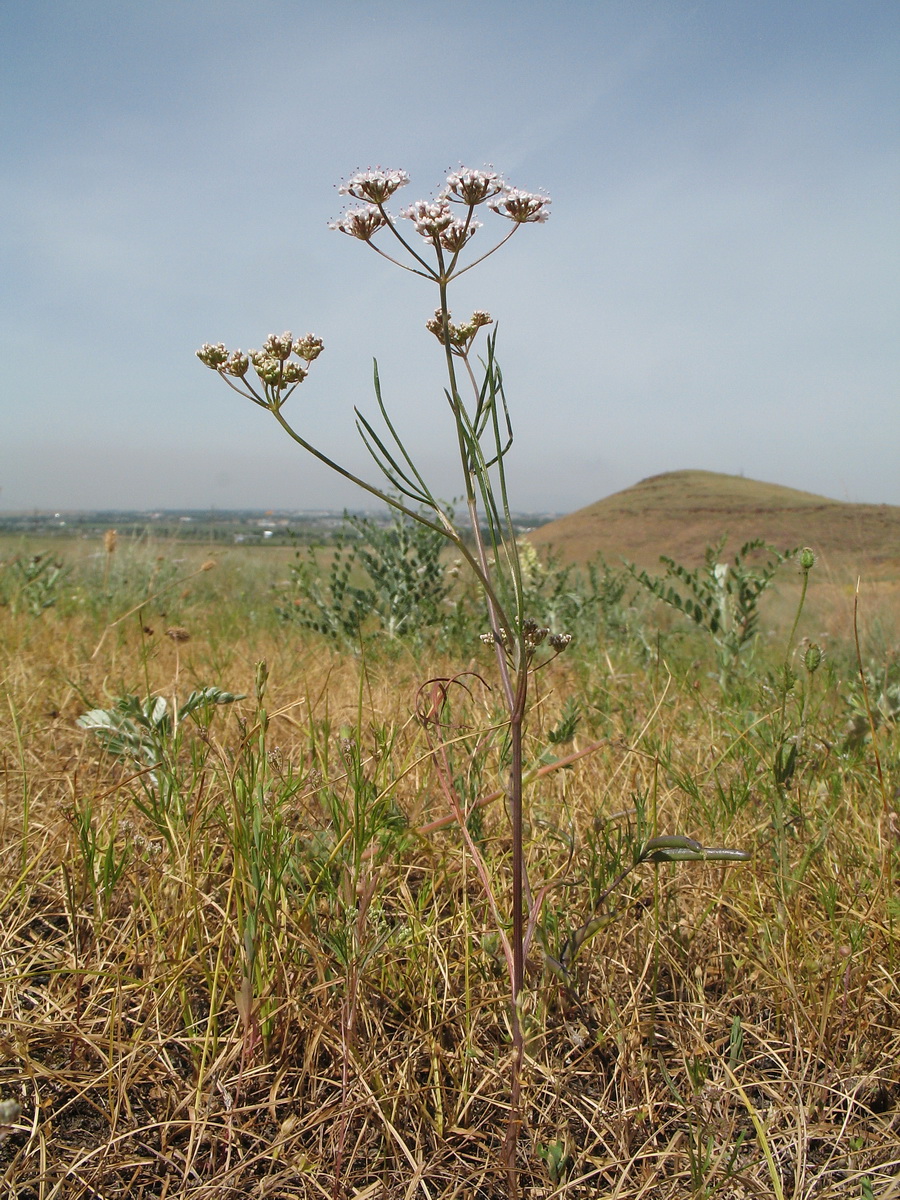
x,y
376,185
274,367
360,223
430,217
434,219
533,635
473,187
461,336
521,207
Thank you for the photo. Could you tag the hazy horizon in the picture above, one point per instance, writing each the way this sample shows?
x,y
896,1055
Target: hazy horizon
x,y
716,287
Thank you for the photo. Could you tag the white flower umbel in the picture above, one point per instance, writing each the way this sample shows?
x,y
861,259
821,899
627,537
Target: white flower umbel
x,y
375,185
521,207
360,223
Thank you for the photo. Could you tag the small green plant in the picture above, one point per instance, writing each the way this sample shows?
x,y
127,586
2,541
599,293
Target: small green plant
x,y
381,578
149,735
32,584
721,598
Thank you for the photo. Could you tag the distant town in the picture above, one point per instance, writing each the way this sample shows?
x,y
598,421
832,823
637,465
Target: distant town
x,y
233,526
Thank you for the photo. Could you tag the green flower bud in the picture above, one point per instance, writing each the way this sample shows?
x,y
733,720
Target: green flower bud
x,y
812,659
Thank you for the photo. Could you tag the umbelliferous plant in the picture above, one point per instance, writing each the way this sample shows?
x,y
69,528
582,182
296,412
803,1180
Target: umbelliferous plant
x,y
433,240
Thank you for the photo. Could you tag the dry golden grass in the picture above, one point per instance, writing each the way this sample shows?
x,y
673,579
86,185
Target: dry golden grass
x,y
733,1032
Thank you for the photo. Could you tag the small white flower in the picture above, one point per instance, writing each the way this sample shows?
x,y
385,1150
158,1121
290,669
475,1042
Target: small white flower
x,y
360,223
376,185
430,217
521,207
473,187
455,236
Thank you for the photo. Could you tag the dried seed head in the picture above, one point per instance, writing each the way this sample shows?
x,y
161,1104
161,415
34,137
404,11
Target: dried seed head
x,y
110,538
208,565
559,641
533,633
178,633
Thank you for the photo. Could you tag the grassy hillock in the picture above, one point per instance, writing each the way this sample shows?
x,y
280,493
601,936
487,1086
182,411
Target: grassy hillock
x,y
682,512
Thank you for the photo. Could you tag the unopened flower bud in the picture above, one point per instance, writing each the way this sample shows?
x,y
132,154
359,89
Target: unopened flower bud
x,y
279,347
807,559
237,365
308,347
212,356
266,367
812,658
292,372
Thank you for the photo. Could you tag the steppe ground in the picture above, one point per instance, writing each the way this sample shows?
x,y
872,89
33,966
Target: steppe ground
x,y
246,955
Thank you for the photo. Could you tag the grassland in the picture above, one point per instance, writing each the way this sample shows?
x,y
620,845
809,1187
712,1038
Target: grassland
x,y
246,954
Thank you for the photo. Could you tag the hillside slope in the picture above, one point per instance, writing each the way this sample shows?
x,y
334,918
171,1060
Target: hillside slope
x,y
682,512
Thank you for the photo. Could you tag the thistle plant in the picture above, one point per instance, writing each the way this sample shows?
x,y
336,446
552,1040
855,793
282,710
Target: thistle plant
x,y
432,239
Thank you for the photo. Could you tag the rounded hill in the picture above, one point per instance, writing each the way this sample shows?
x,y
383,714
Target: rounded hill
x,y
680,513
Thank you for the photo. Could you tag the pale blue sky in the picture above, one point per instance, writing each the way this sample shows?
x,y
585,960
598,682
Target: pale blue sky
x,y
716,288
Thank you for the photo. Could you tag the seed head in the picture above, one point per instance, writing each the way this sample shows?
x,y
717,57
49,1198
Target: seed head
x,y
533,633
178,633
521,207
559,641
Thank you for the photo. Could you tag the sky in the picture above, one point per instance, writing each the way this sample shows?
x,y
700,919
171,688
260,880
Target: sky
x,y
716,287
